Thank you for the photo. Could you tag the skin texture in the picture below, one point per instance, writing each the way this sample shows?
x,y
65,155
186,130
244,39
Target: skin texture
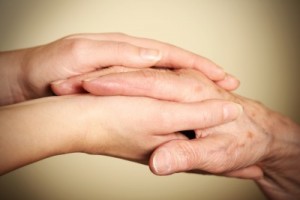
x,y
27,73
123,127
34,127
261,144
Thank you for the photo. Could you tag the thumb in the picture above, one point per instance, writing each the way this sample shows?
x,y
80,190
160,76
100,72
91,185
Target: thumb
x,y
174,156
202,154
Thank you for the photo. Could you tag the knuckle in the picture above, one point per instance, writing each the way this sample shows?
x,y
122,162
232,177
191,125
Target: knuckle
x,y
193,87
76,48
72,36
215,164
187,156
113,36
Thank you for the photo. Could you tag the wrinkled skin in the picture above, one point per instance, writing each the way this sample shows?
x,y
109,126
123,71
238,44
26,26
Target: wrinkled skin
x,y
261,144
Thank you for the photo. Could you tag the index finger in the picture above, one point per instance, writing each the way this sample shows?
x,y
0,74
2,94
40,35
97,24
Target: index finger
x,y
172,56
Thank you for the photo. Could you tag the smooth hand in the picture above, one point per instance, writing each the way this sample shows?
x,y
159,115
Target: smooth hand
x,y
124,127
27,74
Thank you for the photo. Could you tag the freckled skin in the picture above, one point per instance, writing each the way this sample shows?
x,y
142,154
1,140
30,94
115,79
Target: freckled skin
x,y
260,137
250,135
260,144
219,90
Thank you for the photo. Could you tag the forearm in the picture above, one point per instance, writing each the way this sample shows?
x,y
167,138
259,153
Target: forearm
x,y
11,81
35,130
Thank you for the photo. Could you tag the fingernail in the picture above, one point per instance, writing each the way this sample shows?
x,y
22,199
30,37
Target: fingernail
x,y
161,162
58,82
150,54
232,111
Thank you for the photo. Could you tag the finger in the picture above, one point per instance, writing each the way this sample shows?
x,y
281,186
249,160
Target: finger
x,y
92,54
201,154
229,83
73,85
171,56
175,117
160,84
157,84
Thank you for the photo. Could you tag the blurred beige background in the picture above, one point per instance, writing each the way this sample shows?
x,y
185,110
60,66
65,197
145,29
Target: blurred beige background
x,y
257,40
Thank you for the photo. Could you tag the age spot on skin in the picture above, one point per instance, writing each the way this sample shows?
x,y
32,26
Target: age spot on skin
x,y
219,90
198,89
242,145
250,135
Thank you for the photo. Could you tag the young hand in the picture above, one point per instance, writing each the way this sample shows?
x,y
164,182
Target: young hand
x,y
124,127
27,74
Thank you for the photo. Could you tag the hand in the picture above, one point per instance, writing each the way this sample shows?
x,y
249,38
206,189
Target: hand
x,y
260,145
27,73
124,127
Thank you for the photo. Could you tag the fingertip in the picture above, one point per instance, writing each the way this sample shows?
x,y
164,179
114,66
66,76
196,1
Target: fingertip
x,y
159,163
66,87
172,157
89,85
229,83
211,70
232,111
56,87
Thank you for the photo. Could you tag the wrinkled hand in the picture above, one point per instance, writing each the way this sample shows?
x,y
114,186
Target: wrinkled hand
x,y
221,149
29,72
256,145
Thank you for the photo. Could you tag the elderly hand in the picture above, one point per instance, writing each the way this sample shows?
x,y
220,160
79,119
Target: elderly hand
x,y
261,144
27,74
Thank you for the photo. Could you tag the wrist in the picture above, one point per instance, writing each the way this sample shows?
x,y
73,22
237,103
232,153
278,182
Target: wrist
x,y
281,166
38,129
79,124
69,116
12,81
281,161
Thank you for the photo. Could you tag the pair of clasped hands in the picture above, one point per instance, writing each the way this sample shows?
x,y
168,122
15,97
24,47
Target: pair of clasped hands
x,y
131,98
